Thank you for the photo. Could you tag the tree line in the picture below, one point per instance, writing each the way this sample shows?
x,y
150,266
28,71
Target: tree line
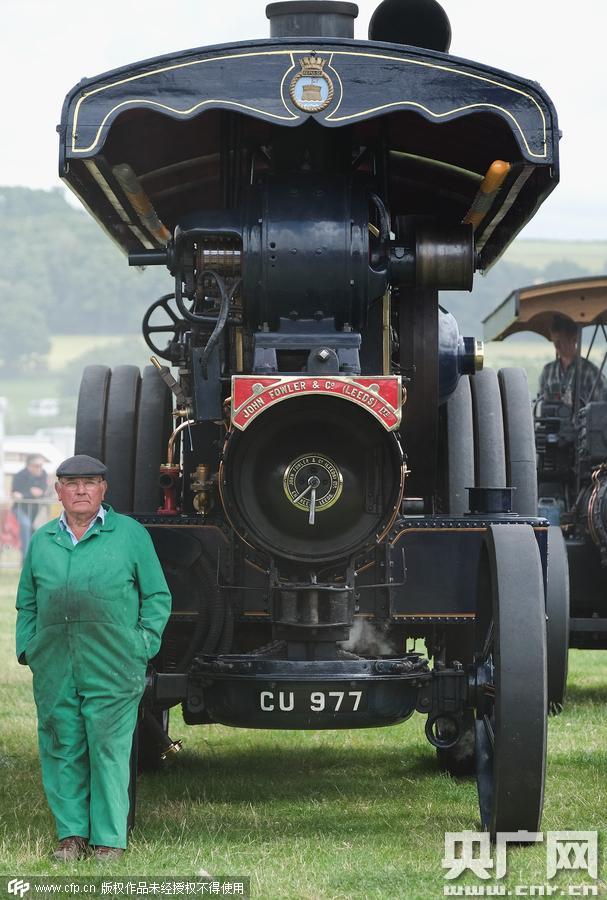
x,y
61,274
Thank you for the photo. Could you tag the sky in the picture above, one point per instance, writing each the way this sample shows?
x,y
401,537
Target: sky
x,y
46,47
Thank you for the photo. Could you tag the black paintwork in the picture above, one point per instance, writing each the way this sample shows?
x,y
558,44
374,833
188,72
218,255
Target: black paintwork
x,y
306,243
434,107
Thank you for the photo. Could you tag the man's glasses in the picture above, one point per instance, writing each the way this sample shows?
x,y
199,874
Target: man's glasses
x,y
89,484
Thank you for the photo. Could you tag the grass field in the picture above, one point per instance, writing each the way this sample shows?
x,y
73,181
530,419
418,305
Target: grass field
x,y
66,357
336,815
531,354
589,255
65,348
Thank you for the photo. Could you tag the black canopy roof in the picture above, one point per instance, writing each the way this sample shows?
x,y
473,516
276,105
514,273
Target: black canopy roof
x,y
583,300
446,121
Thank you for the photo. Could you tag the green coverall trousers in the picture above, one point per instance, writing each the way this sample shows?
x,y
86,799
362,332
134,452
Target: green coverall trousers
x,y
90,616
85,732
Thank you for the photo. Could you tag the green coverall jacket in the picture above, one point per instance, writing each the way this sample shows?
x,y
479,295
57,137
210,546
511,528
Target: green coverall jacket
x,y
90,615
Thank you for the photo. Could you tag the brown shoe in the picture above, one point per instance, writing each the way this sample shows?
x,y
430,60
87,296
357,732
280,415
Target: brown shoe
x,y
108,854
71,848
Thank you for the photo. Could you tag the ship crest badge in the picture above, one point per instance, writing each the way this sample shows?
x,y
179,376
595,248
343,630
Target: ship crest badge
x,y
311,90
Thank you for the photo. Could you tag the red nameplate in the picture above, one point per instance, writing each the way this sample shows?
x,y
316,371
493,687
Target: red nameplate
x,y
380,395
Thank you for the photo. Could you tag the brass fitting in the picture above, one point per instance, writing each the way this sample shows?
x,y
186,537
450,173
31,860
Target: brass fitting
x,y
202,487
170,752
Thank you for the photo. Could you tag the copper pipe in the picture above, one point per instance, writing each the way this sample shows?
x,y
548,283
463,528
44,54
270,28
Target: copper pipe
x,y
170,446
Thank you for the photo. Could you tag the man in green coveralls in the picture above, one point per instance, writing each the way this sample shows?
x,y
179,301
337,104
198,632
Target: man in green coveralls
x,y
92,605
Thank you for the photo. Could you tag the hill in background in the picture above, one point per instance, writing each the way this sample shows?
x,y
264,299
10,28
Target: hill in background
x,y
61,275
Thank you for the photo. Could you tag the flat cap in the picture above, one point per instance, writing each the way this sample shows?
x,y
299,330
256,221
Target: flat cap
x,y
80,465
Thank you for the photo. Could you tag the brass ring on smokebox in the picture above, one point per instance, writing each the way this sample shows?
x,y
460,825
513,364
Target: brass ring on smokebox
x,y
297,479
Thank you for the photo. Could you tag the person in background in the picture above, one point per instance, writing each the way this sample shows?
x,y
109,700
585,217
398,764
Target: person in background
x,y
92,605
558,378
31,483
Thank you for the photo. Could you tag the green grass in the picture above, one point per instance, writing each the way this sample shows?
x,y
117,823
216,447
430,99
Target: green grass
x,y
309,815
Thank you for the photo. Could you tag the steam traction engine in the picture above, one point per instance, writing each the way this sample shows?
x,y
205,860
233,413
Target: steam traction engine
x,y
311,195
571,441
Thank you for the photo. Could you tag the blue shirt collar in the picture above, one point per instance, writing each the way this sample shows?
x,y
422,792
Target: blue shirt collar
x,y
98,517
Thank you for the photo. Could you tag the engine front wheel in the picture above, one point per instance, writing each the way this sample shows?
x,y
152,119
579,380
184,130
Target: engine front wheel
x,y
510,681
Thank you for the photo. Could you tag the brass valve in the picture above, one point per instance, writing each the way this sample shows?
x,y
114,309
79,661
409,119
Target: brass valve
x,y
202,487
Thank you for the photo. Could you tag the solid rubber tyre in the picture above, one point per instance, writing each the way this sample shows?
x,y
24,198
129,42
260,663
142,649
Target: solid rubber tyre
x,y
120,436
91,411
519,440
456,474
458,450
557,618
489,452
153,432
511,681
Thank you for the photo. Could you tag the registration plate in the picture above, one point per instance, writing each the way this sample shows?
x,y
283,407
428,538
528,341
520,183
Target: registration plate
x,y
299,699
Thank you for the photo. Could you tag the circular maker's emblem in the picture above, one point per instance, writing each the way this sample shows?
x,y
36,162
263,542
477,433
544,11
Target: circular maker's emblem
x,y
313,472
311,89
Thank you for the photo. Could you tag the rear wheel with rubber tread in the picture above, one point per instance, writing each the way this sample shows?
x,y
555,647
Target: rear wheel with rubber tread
x,y
120,436
456,472
91,412
456,469
489,452
153,432
519,440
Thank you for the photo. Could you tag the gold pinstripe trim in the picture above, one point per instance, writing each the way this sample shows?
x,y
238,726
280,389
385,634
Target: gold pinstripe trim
x,y
417,530
480,106
282,85
425,615
293,117
195,62
341,86
180,112
415,62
